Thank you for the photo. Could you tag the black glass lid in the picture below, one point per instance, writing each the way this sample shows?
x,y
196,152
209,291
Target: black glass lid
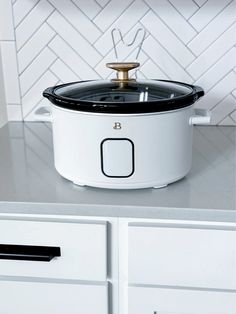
x,y
132,91
124,95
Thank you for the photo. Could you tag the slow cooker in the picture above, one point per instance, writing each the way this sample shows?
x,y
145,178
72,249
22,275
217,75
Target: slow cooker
x,y
123,133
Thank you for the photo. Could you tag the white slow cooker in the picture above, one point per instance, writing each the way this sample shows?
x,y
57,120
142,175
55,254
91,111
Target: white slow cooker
x,y
123,133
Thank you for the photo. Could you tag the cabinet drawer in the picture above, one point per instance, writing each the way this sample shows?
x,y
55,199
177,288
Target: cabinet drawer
x,y
171,301
182,257
83,249
48,298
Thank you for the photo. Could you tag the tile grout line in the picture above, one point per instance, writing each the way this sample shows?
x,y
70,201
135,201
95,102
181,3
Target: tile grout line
x,y
183,16
89,18
167,24
228,115
25,16
79,56
58,59
38,54
208,69
190,15
222,77
38,79
126,8
222,99
157,66
102,8
35,31
7,40
50,70
221,10
63,61
233,95
197,4
98,4
25,94
172,57
108,28
17,61
189,42
91,43
174,34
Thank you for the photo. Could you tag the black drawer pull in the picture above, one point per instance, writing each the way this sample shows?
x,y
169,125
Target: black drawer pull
x,y
28,252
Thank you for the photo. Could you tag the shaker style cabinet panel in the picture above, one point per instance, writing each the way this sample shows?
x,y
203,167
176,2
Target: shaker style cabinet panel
x,y
52,298
83,249
177,301
182,257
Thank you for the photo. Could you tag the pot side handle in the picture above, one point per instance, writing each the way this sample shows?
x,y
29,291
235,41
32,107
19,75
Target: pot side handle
x,y
48,92
199,92
201,116
45,116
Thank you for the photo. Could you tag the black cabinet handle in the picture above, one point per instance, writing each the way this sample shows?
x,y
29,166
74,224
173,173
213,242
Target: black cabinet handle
x,y
29,253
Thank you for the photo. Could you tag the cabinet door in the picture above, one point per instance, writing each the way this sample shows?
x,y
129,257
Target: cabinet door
x,y
52,298
83,247
204,258
174,301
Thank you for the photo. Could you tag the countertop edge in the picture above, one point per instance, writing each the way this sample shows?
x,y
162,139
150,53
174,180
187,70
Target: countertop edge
x,y
118,211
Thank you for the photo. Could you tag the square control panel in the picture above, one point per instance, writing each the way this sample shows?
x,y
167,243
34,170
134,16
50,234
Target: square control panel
x,y
117,157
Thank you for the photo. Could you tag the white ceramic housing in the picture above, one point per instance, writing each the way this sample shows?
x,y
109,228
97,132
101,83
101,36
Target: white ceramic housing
x,y
162,146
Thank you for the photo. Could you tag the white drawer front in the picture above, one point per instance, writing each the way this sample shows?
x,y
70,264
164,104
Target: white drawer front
x,y
170,301
49,298
83,249
182,257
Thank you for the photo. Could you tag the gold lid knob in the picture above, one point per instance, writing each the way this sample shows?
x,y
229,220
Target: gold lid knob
x,y
122,69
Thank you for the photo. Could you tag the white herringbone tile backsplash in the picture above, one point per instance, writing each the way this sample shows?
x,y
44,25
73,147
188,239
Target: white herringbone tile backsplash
x,y
47,42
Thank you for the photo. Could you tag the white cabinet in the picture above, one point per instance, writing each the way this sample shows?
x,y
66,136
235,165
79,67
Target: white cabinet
x,y
181,269
184,257
179,301
52,298
83,248
53,267
114,266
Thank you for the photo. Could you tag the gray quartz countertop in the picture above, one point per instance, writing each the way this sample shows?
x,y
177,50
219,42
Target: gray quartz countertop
x,y
29,184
